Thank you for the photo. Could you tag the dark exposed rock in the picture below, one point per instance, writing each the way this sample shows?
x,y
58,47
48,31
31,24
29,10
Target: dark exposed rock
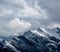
x,y
30,42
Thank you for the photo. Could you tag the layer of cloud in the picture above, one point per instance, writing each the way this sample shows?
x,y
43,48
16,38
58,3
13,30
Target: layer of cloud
x,y
21,15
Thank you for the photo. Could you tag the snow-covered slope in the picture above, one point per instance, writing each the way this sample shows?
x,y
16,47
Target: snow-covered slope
x,y
38,40
54,32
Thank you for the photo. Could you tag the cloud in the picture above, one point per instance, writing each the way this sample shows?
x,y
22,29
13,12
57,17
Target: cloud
x,y
53,9
34,13
21,15
18,25
5,12
15,26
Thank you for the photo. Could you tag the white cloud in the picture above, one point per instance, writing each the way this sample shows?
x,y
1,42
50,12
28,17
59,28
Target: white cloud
x,y
35,12
15,26
19,24
15,10
28,12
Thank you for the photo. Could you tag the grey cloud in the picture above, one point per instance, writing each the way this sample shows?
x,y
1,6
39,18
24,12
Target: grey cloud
x,y
35,12
53,8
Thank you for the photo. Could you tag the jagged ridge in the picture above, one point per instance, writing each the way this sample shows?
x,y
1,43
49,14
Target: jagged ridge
x,y
32,41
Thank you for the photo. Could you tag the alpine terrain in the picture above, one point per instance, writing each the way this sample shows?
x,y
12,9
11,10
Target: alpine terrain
x,y
37,40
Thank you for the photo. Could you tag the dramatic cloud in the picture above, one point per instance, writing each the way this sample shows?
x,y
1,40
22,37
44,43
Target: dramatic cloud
x,y
17,16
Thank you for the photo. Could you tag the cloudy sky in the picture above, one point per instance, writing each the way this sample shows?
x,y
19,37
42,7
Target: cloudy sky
x,y
18,16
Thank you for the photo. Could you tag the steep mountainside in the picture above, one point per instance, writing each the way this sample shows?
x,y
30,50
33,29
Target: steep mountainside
x,y
39,40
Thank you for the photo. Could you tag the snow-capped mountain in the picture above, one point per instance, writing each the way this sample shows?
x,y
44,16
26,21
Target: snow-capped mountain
x,y
37,40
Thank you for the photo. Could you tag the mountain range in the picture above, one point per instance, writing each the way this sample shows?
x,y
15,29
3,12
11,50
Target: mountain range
x,y
36,40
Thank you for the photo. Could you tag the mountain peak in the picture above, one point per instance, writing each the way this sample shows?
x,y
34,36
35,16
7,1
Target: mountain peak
x,y
35,40
39,29
58,28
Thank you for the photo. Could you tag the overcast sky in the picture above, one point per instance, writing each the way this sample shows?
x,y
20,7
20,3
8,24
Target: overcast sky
x,y
18,16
